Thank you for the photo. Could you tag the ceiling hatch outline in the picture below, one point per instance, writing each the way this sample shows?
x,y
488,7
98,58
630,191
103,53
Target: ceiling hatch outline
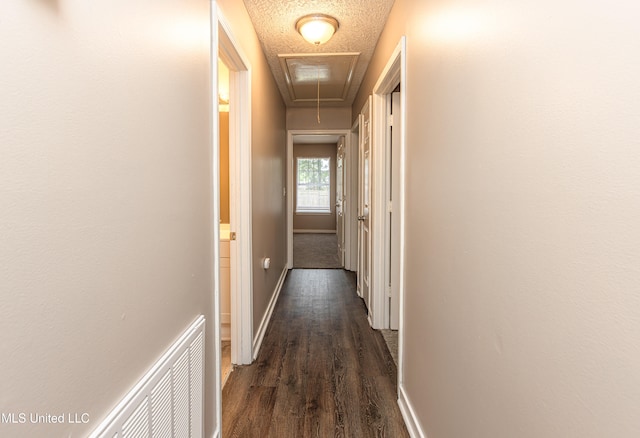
x,y
334,70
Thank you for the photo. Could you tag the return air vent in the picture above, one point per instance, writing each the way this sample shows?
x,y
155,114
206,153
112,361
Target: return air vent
x,y
169,400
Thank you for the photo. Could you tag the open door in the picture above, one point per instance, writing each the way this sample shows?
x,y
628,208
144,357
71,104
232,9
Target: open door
x,y
341,170
395,208
364,206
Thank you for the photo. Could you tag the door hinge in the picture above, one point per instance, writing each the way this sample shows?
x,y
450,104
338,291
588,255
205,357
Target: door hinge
x,y
390,120
232,235
389,292
389,206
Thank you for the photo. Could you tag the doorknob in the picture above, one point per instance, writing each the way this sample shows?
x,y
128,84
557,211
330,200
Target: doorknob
x,y
361,218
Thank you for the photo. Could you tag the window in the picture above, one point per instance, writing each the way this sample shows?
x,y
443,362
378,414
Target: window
x,y
313,186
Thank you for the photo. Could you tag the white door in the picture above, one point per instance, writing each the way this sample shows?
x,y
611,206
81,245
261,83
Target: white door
x,y
395,211
364,206
340,199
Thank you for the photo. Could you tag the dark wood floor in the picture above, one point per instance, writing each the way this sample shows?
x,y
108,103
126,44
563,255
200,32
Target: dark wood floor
x,y
321,372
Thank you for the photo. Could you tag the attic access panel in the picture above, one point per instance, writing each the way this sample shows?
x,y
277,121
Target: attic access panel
x,y
333,70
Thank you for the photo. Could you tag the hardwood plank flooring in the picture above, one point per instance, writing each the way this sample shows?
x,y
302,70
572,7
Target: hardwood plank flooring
x,y
321,372
225,351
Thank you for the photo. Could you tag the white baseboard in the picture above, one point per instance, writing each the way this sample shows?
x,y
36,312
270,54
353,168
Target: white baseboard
x,y
314,231
257,342
409,415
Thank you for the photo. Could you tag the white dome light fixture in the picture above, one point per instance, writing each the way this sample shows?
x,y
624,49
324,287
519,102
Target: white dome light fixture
x,y
317,28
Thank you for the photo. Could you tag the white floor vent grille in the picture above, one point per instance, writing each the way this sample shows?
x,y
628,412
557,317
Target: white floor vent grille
x,y
169,400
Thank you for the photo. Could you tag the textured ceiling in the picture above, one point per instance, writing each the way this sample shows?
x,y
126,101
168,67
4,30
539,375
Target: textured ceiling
x,y
361,22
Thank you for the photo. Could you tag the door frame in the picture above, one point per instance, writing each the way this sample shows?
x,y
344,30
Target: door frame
x,y
393,74
349,215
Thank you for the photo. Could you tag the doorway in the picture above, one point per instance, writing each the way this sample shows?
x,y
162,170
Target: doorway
x,y
241,273
388,175
313,217
238,245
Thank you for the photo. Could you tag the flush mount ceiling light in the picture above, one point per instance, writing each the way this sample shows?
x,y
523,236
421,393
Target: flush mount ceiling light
x,y
317,28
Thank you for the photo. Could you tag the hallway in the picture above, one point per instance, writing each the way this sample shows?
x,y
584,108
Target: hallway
x,y
321,372
518,208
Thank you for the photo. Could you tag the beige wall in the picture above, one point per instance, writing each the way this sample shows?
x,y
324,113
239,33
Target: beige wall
x,y
268,154
106,200
393,30
307,118
311,221
522,309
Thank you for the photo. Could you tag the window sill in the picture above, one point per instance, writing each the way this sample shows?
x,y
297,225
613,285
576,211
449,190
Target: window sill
x,y
314,212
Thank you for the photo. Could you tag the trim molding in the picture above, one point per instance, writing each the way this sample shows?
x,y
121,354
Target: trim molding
x,y
409,415
262,329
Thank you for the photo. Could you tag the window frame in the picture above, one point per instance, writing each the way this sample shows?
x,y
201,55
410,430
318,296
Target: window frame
x,y
306,210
